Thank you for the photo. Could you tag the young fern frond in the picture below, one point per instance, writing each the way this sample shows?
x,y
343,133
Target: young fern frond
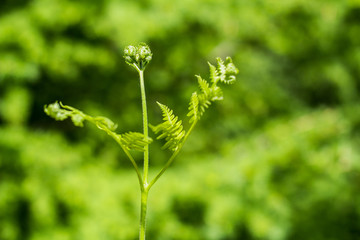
x,y
171,129
224,72
131,140
208,93
134,141
60,112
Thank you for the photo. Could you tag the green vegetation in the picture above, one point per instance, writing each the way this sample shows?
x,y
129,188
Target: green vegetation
x,y
277,159
171,129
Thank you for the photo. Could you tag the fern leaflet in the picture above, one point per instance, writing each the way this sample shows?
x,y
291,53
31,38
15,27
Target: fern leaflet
x,y
221,70
204,86
214,78
194,108
134,141
171,129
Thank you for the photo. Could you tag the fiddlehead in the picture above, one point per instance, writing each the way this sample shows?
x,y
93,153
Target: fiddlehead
x,y
60,112
224,72
131,140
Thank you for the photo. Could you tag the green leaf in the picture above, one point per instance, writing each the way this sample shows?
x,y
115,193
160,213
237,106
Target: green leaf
x,y
171,129
55,111
135,141
194,108
226,70
78,120
104,123
221,69
213,74
204,103
60,112
216,93
204,86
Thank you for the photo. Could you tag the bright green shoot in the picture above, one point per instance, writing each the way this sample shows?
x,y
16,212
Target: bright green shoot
x,y
170,130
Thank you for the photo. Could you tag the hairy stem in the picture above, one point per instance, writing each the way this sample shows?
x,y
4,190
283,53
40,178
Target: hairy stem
x,y
145,126
143,208
144,186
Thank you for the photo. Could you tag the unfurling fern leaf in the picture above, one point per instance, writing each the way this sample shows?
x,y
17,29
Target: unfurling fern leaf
x,y
60,112
224,72
171,129
208,94
104,123
134,141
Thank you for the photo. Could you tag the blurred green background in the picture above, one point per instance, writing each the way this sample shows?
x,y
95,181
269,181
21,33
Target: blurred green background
x,y
278,159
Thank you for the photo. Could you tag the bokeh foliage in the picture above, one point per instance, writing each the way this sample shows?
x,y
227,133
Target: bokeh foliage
x,y
277,159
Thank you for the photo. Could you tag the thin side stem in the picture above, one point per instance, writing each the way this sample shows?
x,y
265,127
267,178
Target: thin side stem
x,y
172,158
116,138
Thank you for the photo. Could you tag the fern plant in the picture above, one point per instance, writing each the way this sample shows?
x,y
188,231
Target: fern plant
x,y
171,130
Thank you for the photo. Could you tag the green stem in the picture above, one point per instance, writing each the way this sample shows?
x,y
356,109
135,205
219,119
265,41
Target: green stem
x,y
144,186
145,126
143,208
116,138
172,158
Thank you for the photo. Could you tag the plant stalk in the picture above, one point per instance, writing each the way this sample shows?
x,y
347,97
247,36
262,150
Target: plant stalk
x,y
143,208
145,126
144,186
